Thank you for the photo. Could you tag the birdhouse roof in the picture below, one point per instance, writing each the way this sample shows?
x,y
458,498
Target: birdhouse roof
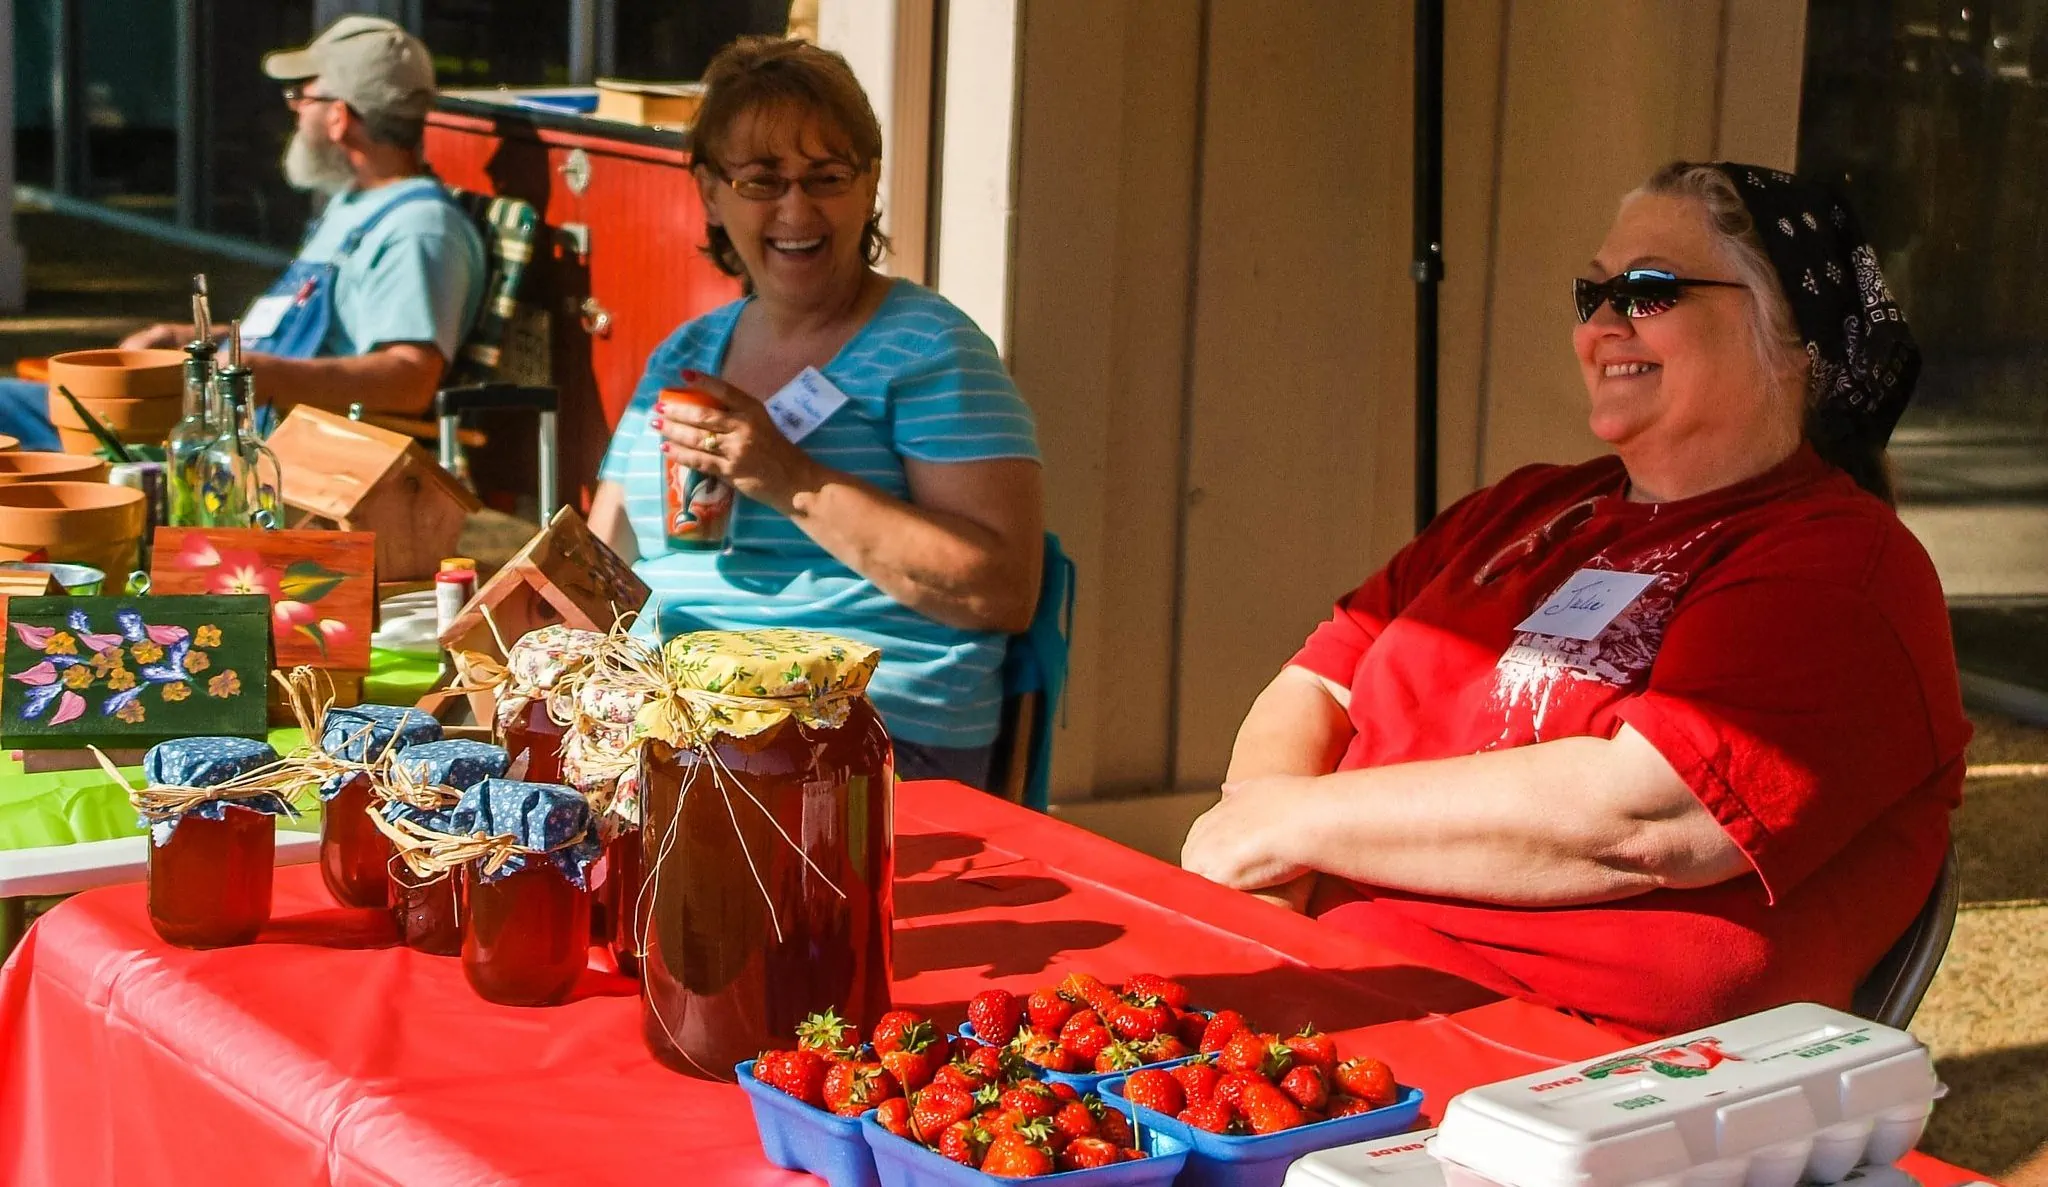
x,y
569,568
331,464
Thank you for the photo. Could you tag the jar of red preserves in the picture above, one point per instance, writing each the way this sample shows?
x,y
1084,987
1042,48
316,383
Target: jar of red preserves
x,y
530,720
211,807
526,934
354,856
427,782
600,759
766,780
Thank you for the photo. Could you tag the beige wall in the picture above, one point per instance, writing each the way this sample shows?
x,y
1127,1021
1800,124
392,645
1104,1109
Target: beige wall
x,y
1210,309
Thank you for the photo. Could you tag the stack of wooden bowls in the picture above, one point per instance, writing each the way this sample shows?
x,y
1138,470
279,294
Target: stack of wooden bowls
x,y
137,394
58,507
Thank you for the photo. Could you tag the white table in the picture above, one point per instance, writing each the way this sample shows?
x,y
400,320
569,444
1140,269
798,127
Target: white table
x,y
67,869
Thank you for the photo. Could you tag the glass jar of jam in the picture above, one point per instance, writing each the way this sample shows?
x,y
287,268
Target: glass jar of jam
x,y
537,663
746,933
535,734
210,863
527,937
431,778
615,889
355,857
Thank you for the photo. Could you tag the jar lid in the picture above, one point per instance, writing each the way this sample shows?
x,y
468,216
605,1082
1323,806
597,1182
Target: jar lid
x,y
742,683
204,762
544,821
458,763
364,733
540,658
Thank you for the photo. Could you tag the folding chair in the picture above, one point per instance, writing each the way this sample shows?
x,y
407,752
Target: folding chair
x,y
1034,679
1892,991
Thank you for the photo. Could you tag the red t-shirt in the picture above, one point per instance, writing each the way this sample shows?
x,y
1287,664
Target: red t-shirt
x,y
1791,660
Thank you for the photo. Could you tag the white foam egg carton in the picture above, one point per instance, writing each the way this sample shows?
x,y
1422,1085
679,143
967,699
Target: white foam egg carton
x,y
1798,1093
1405,1161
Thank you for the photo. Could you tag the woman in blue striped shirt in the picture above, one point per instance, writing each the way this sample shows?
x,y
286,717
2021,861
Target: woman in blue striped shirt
x,y
911,517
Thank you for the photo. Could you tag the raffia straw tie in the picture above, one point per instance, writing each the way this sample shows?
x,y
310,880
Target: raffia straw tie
x,y
430,853
477,672
170,801
310,707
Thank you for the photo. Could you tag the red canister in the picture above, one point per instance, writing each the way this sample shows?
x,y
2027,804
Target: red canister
x,y
697,507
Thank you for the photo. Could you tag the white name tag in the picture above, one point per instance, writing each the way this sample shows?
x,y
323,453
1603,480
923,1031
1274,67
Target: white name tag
x,y
263,316
1584,605
804,403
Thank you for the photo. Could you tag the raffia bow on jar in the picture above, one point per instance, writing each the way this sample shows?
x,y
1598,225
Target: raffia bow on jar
x,y
761,762
504,826
343,743
202,777
598,704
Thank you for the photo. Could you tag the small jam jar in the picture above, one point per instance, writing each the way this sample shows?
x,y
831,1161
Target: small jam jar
x,y
536,663
428,910
526,928
210,866
355,857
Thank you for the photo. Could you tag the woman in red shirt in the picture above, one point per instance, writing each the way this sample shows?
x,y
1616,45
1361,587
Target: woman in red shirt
x,y
1663,738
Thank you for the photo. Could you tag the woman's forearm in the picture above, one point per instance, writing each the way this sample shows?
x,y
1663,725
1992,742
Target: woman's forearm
x,y
1297,726
1572,821
945,566
608,521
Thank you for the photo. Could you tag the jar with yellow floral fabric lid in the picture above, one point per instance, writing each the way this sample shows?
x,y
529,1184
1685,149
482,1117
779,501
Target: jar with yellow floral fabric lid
x,y
766,784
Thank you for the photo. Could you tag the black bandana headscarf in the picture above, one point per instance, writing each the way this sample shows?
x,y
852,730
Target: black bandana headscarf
x,y
1863,358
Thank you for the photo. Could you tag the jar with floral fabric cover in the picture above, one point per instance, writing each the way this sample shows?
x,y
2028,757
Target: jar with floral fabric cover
x,y
600,758
425,784
211,807
530,721
361,741
766,783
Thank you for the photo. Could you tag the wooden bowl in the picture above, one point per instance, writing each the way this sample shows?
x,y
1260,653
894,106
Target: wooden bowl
x,y
151,419
50,467
120,374
78,523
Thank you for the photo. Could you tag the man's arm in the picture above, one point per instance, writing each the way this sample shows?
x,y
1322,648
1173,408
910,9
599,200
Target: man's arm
x,y
396,379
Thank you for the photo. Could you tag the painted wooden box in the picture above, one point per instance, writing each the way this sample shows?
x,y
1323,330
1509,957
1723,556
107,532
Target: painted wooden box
x,y
127,672
322,586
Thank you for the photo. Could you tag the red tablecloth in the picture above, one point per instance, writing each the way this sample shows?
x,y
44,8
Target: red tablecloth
x,y
321,1055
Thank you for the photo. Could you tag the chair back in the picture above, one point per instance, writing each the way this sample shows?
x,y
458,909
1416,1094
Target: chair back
x,y
1034,681
508,227
1892,991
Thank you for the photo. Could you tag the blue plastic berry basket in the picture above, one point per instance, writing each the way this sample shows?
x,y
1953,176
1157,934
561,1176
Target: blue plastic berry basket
x,y
1261,1160
798,1137
904,1163
1084,1082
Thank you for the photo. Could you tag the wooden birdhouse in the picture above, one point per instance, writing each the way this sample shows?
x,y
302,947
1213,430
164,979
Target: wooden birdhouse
x,y
23,583
565,574
342,473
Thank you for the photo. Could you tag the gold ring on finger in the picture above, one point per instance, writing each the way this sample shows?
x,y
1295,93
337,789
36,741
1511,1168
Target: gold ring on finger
x,y
710,444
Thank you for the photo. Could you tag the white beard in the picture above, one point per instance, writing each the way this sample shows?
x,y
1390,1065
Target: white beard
x,y
320,166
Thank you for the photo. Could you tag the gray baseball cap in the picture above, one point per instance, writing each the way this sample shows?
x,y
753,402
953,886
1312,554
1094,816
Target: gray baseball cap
x,y
370,63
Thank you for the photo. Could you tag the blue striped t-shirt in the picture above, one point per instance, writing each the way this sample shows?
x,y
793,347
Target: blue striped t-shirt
x,y
922,381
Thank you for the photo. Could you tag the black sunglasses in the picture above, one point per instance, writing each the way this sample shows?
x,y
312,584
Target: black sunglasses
x,y
1638,292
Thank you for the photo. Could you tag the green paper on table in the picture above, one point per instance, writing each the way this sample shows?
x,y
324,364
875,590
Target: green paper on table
x,y
65,807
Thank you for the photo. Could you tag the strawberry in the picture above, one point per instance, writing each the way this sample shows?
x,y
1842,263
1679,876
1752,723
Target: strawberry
x,y
889,1028
1190,1027
827,1034
1077,1022
1217,1031
1073,1121
1117,1057
852,1088
1256,1054
1020,1153
1111,1123
1269,1110
1312,1046
1230,1089
1304,1082
1031,1098
1046,1053
961,1074
1138,1018
995,1015
1173,993
1157,1091
1047,1010
1348,1106
1087,1042
987,1062
894,1115
1212,1115
920,1051
936,1109
1086,990
801,1074
964,1142
1088,1153
1162,1047
1369,1080
1198,1078
1063,1091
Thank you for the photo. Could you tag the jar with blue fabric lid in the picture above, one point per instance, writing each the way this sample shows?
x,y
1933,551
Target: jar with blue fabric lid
x,y
211,806
358,744
425,784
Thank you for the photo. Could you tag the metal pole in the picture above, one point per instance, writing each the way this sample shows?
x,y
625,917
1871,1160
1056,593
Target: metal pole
x,y
67,98
1428,266
191,113
583,21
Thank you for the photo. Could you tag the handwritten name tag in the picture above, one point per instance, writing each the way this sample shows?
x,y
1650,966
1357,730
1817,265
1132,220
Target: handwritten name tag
x,y
1584,605
804,403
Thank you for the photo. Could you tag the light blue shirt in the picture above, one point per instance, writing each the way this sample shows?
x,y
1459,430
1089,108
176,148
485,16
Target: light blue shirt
x,y
922,381
417,276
